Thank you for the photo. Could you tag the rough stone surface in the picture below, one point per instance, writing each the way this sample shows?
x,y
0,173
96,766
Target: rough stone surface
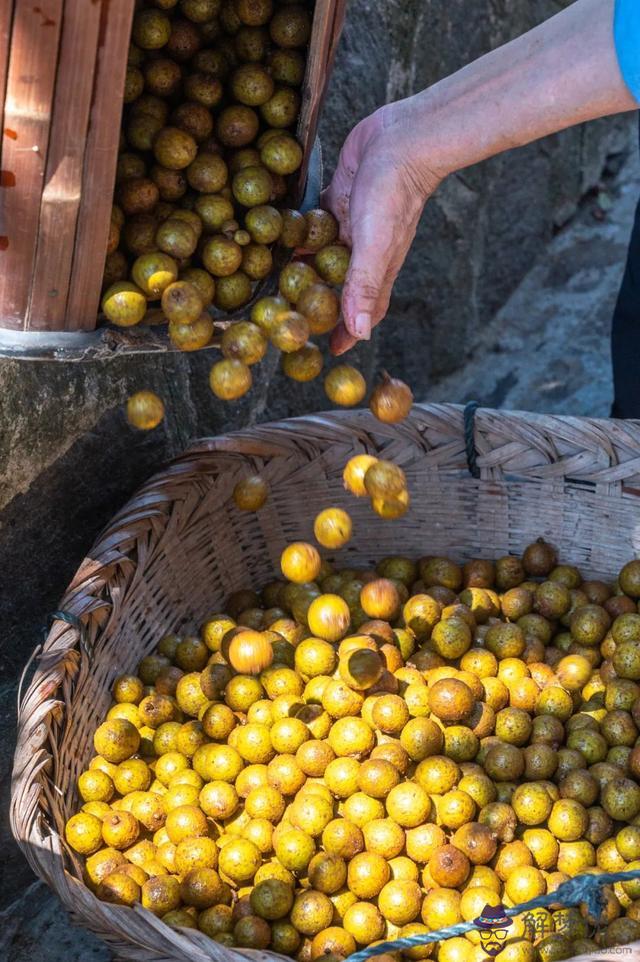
x,y
548,348
69,460
37,919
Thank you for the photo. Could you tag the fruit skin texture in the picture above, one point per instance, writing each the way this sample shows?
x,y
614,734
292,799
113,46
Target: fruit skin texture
x,y
345,385
354,473
153,273
332,528
300,562
83,832
385,480
303,365
116,740
174,148
124,304
182,302
391,400
250,652
329,617
320,306
230,379
191,336
251,493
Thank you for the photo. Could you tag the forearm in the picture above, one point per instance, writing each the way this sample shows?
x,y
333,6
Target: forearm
x,y
561,73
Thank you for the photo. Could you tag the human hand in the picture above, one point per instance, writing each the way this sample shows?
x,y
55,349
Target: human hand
x,y
377,194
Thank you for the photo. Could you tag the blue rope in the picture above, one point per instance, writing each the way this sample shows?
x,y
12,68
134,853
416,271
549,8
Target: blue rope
x,y
583,889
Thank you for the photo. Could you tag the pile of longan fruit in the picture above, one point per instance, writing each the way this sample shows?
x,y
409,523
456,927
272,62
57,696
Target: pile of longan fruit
x,y
205,171
352,755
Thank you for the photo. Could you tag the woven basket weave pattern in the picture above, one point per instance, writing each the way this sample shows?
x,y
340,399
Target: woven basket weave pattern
x,y
179,547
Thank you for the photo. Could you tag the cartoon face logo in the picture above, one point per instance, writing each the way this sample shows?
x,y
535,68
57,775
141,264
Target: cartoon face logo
x,y
493,923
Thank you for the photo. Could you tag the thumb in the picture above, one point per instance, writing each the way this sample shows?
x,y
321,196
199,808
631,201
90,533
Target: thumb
x,y
341,341
363,287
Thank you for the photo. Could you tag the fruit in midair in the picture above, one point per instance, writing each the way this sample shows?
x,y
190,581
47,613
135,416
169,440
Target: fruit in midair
x,y
304,364
385,480
251,493
391,400
355,471
289,331
300,562
145,410
332,528
250,652
230,379
191,336
345,385
245,341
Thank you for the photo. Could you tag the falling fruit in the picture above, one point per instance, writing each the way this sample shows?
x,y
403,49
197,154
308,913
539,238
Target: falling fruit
x,y
145,410
332,528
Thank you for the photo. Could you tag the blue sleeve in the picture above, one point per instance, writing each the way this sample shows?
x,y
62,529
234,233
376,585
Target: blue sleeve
x,y
627,39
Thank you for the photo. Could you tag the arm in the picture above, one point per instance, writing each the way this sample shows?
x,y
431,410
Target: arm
x,y
562,73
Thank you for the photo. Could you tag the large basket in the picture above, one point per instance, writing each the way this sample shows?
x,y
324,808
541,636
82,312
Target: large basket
x,y
177,549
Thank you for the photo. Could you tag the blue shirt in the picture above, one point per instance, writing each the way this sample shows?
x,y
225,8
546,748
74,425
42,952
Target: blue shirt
x,y
627,38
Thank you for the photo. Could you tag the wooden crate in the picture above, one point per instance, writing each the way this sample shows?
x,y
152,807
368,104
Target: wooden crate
x,y
62,70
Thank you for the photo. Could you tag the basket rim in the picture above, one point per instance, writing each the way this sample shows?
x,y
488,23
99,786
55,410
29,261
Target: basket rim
x,y
601,452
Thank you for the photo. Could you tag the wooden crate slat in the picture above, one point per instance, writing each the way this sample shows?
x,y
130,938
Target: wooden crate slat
x,y
33,57
63,180
99,166
6,16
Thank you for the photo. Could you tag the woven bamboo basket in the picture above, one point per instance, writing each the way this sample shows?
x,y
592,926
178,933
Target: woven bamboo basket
x,y
179,547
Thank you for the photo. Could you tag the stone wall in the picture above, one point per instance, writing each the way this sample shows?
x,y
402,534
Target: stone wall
x,y
68,458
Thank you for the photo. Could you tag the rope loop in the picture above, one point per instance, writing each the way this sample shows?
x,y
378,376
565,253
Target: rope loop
x,y
70,619
469,438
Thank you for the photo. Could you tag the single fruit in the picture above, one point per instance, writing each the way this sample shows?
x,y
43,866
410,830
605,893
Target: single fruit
x,y
345,385
230,379
250,652
251,493
124,304
391,400
332,528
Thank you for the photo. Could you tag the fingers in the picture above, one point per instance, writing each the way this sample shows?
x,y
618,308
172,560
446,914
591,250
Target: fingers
x,y
341,341
371,258
337,196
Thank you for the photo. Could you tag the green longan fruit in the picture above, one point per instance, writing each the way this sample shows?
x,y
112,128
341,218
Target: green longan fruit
x,y
233,291
252,186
